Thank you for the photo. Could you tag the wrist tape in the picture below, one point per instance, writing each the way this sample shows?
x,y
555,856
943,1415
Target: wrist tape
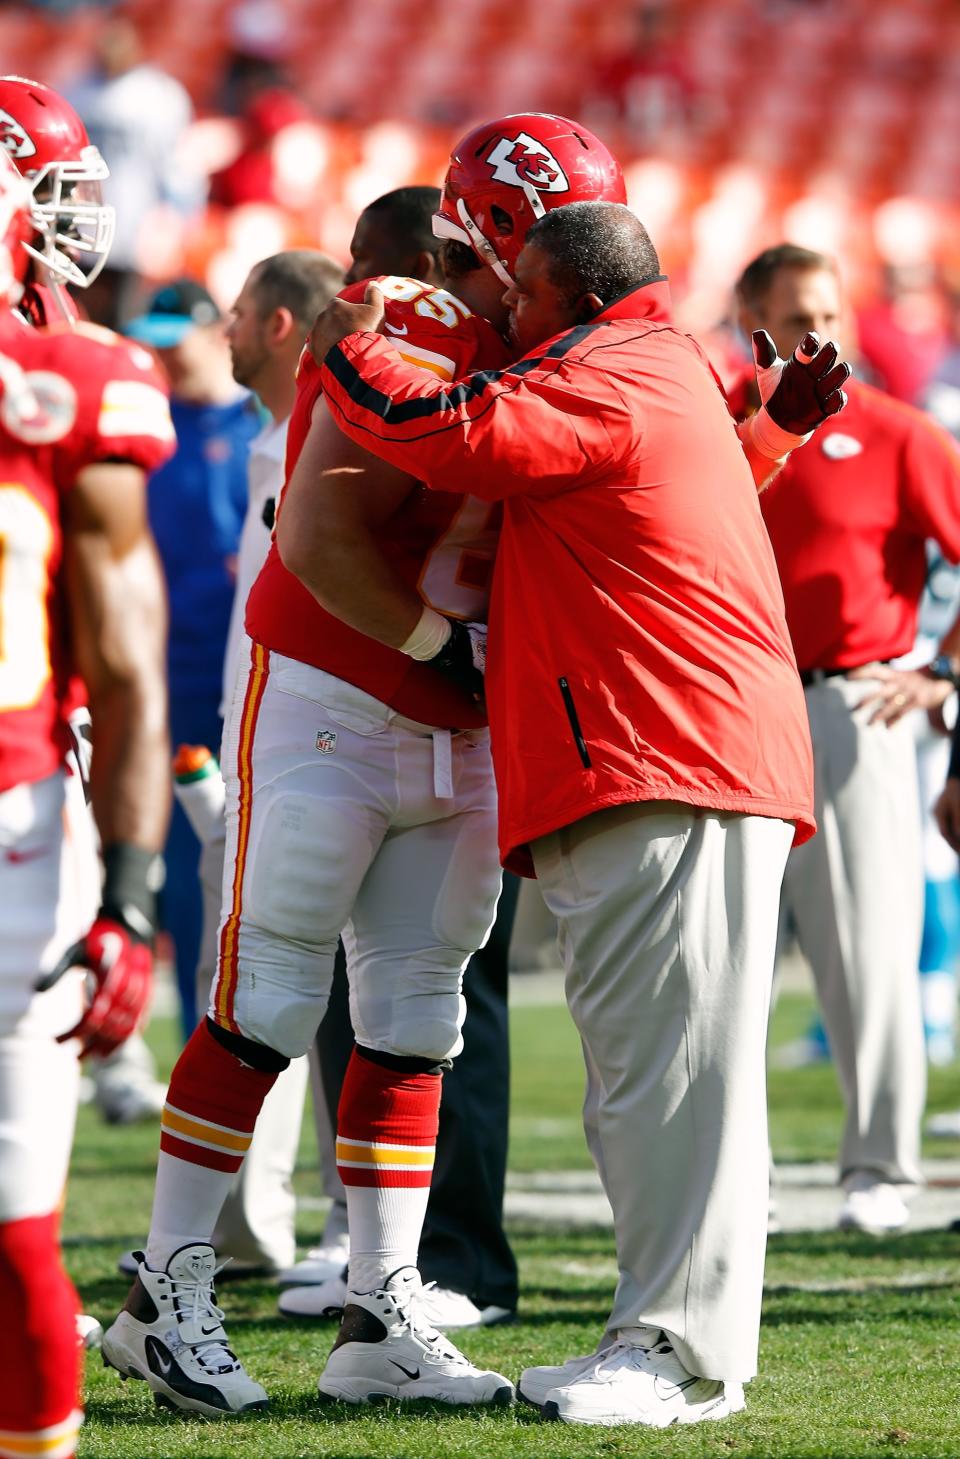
x,y
429,636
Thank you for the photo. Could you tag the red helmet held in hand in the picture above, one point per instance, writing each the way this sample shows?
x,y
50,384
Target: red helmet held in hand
x,y
507,173
48,144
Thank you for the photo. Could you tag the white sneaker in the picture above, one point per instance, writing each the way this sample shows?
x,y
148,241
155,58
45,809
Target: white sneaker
x,y
229,1270
325,1299
944,1126
170,1334
872,1206
387,1349
536,1383
89,1331
439,1306
320,1264
633,1384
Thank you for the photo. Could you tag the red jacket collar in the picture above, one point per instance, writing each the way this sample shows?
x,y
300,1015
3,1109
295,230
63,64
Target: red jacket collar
x,y
646,301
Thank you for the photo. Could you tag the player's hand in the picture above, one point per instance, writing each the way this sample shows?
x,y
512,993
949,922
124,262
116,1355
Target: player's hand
x,y
800,393
899,691
463,658
121,968
946,813
341,318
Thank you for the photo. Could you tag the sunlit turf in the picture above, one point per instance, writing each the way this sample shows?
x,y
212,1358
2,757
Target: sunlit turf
x,y
859,1353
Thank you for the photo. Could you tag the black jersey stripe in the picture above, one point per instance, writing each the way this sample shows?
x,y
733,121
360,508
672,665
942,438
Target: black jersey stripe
x,y
450,398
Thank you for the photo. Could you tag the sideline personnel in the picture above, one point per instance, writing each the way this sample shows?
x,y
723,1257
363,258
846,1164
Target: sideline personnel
x,y
652,759
848,520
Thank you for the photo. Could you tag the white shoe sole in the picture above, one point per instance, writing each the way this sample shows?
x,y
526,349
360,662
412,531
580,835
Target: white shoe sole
x,y
129,1364
359,1391
724,1406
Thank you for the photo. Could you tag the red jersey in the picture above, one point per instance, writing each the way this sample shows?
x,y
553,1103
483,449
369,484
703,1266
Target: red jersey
x,y
69,397
638,649
442,544
848,517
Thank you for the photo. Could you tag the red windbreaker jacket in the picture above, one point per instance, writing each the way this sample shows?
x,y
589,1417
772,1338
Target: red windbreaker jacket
x,y
638,647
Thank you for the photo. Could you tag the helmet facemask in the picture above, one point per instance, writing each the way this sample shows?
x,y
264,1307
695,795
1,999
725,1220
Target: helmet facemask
x,y
75,227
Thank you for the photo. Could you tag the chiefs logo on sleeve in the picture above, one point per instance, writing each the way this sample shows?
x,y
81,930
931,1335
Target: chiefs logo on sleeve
x,y
38,406
522,161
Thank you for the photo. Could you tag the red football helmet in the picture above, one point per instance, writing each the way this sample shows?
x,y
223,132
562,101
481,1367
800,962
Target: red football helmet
x,y
48,144
16,230
507,173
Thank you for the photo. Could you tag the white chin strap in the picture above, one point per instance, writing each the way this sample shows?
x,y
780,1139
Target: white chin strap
x,y
471,234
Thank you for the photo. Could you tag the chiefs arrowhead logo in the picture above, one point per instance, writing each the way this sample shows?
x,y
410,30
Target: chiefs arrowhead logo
x,y
14,138
523,161
38,406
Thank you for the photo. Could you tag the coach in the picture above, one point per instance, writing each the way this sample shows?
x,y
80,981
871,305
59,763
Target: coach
x,y
653,766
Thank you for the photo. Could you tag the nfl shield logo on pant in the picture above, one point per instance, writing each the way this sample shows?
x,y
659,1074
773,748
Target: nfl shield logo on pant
x,y
326,741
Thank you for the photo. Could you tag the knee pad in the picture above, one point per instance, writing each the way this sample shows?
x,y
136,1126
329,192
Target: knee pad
x,y
400,1064
410,1015
248,1051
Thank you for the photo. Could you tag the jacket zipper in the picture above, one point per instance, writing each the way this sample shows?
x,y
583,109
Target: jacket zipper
x,y
572,716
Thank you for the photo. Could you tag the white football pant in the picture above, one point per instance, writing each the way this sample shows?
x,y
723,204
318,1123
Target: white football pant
x,y
49,894
343,816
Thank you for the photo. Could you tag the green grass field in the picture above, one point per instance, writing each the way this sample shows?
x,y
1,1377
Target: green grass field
x,y
860,1343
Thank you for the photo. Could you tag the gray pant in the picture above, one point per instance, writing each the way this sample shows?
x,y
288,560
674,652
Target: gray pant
x,y
668,921
855,895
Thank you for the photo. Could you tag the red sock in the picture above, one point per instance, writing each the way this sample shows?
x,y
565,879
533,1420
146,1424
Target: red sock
x,y
386,1134
206,1128
39,1352
212,1104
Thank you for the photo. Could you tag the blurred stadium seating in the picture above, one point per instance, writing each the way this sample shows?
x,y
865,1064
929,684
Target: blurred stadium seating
x,y
832,123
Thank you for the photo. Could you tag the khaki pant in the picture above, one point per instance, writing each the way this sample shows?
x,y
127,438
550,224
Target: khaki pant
x,y
855,895
668,920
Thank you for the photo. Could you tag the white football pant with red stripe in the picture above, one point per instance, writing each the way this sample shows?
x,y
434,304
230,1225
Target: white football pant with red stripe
x,y
343,816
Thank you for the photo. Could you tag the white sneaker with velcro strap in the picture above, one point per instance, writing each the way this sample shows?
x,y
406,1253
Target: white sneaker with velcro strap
x,y
386,1348
641,1381
170,1334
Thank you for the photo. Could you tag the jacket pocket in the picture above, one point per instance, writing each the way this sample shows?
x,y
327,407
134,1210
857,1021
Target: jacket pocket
x,y
573,717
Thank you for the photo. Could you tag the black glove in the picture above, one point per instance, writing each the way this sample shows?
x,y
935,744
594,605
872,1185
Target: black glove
x,y
808,387
463,657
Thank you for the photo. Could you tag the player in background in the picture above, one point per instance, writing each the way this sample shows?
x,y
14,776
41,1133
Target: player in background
x,y
359,799
83,418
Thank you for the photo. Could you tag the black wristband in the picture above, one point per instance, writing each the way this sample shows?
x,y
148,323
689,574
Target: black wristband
x,y
132,877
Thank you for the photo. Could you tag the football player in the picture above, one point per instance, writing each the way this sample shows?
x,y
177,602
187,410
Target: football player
x,y
360,797
83,418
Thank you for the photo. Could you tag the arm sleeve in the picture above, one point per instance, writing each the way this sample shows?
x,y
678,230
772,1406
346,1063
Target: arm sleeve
x,y
537,428
931,484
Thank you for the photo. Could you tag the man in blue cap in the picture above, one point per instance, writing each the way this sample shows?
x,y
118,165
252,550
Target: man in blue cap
x,y
197,503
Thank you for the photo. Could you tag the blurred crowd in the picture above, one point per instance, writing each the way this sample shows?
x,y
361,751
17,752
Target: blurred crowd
x,y
236,129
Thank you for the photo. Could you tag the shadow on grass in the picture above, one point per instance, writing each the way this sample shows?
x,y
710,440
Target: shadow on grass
x,y
882,1307
293,1406
858,1246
